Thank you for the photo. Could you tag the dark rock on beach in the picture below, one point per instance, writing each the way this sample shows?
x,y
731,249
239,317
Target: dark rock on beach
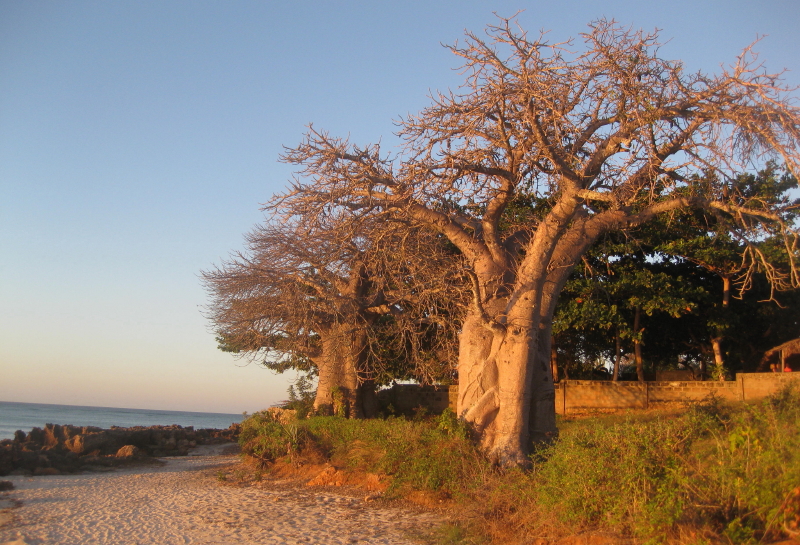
x,y
66,449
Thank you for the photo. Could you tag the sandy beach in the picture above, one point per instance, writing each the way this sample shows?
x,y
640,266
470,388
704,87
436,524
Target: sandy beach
x,y
184,502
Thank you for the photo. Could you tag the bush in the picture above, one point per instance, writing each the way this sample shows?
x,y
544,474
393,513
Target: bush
x,y
716,467
430,455
716,472
267,439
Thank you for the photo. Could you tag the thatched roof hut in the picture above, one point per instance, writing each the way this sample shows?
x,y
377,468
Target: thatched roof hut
x,y
784,351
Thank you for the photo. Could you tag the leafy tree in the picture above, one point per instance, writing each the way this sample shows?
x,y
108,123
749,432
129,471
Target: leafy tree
x,y
612,291
698,281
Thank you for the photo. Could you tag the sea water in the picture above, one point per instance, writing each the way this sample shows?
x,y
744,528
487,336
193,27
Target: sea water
x,y
24,416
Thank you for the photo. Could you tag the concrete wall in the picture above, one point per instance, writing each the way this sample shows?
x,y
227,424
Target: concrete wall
x,y
577,395
756,385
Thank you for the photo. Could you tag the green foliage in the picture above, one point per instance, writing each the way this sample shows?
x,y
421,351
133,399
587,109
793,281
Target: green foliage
x,y
713,466
672,269
421,455
301,396
267,439
339,402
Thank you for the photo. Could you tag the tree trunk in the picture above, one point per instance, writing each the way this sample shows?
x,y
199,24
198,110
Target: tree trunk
x,y
478,372
726,291
495,381
328,371
716,342
617,354
542,422
637,345
506,388
340,390
719,361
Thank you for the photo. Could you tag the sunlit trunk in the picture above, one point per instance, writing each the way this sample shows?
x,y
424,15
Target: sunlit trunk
x,y
617,354
719,360
511,441
340,390
478,373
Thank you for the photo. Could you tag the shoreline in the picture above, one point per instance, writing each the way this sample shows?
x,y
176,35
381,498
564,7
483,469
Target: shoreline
x,y
16,415
57,449
183,501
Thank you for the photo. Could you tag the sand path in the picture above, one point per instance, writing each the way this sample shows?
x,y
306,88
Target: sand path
x,y
183,503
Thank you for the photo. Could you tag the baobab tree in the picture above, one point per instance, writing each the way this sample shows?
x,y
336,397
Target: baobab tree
x,y
601,137
324,301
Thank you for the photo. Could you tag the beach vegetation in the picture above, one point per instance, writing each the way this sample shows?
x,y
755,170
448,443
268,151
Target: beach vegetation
x,y
715,472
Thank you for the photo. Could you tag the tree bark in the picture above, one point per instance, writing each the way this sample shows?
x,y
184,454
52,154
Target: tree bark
x,y
340,389
716,342
719,360
637,344
617,354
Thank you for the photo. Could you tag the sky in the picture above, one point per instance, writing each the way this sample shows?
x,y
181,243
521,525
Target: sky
x,y
139,139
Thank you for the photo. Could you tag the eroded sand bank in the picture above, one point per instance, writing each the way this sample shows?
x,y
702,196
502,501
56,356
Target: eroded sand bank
x,y
183,502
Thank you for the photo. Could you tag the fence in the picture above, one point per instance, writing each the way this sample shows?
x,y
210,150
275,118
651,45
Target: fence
x,y
578,395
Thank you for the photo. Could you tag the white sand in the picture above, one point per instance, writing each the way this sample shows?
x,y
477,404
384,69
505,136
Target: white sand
x,y
183,502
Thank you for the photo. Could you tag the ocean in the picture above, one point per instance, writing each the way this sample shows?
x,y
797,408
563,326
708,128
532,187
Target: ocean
x,y
24,416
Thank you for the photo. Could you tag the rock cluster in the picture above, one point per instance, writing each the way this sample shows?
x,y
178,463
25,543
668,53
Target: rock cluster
x,y
58,449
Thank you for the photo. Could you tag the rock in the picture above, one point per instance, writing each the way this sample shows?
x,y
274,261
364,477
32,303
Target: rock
x,y
46,471
64,447
284,416
6,485
85,443
129,451
35,437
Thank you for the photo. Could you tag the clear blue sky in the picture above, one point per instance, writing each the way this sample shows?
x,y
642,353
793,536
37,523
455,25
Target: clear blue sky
x,y
138,138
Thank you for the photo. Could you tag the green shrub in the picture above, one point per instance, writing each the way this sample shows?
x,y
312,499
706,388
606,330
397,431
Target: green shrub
x,y
714,466
432,455
265,438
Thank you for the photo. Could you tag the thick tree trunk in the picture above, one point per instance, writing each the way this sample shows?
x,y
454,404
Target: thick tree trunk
x,y
478,373
340,390
506,388
331,376
543,393
512,434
